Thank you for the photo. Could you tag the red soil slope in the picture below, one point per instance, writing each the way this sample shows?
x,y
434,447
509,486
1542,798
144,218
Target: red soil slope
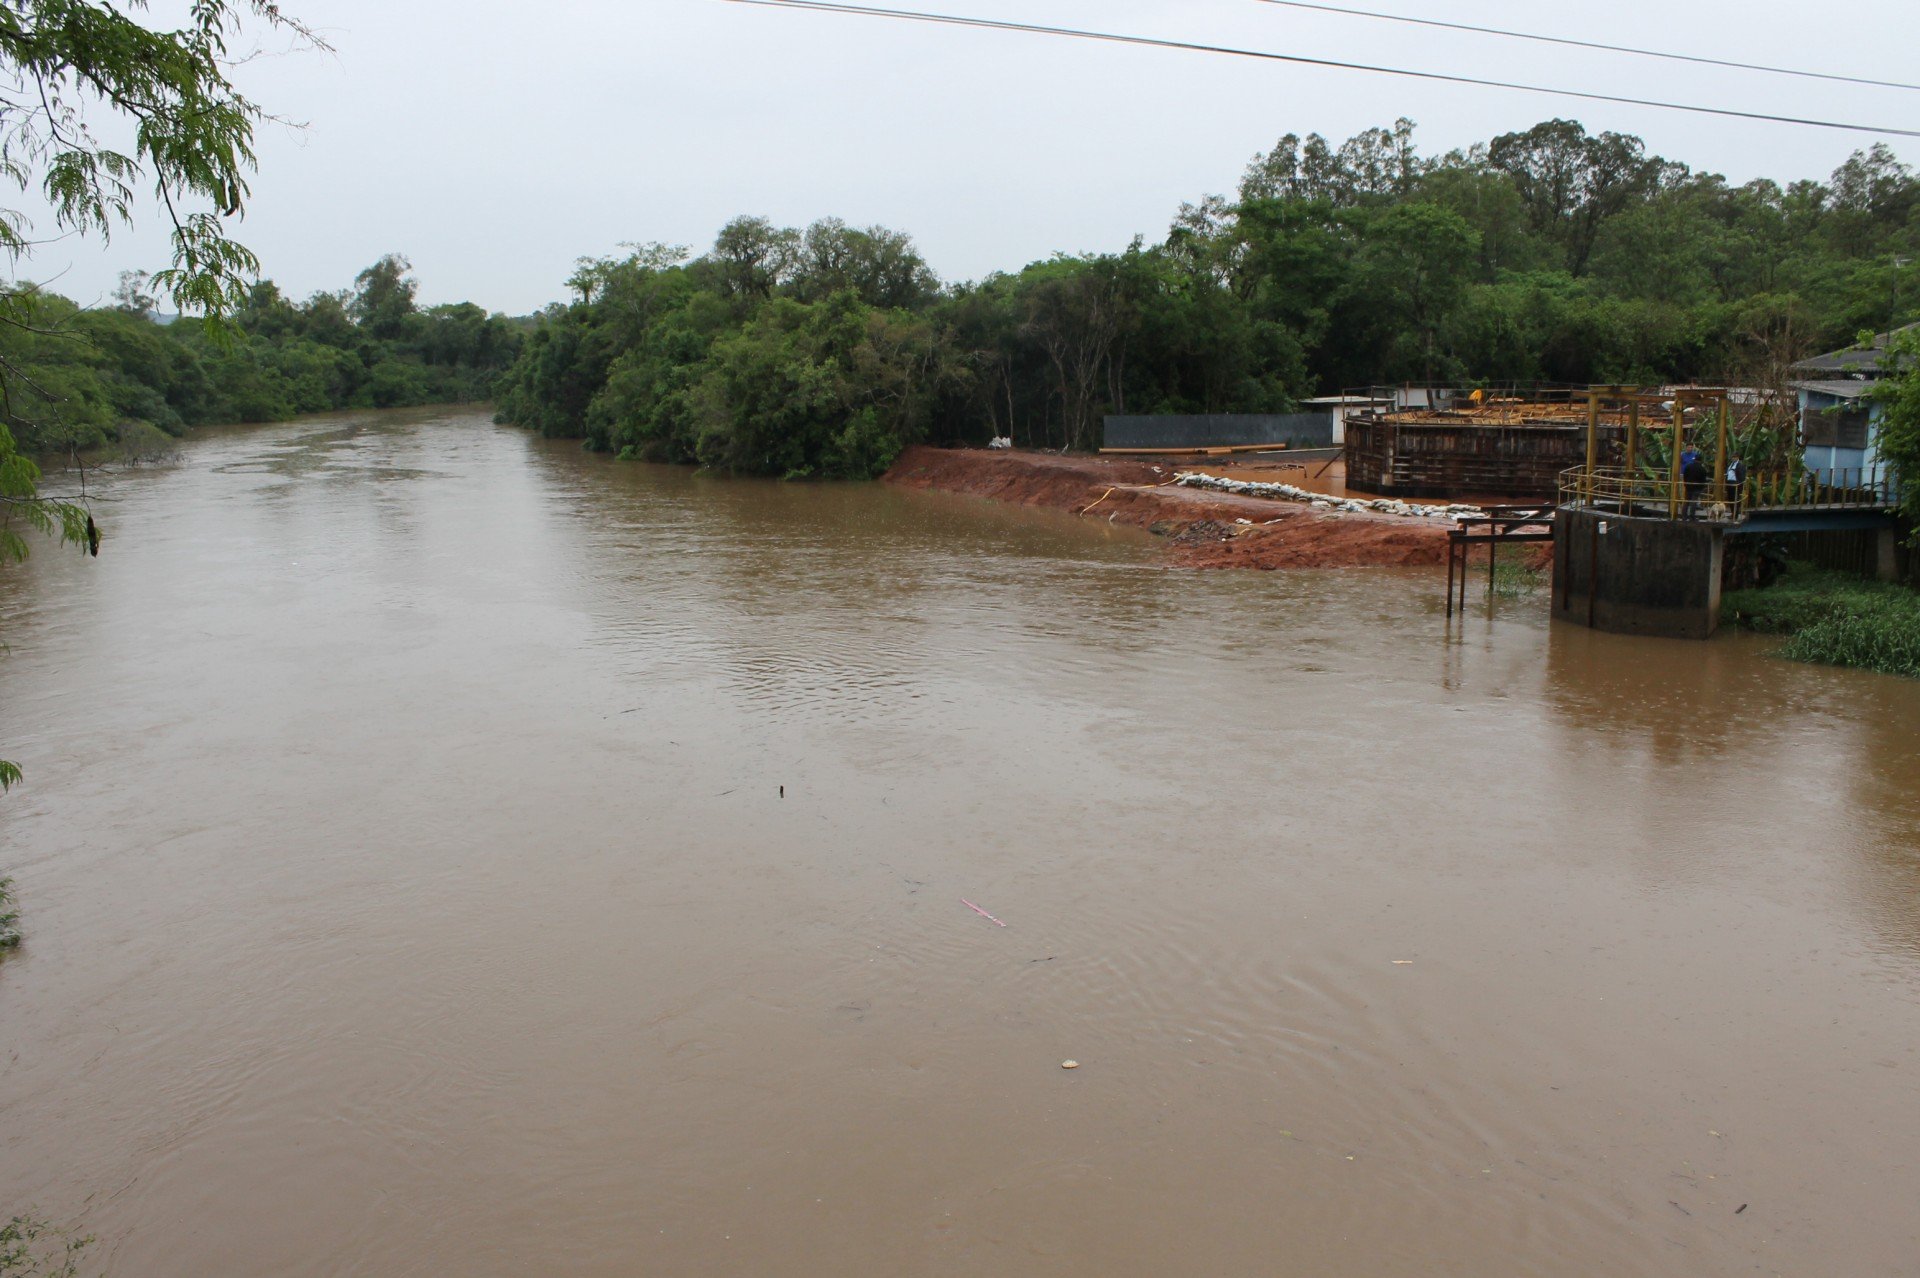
x,y
1200,526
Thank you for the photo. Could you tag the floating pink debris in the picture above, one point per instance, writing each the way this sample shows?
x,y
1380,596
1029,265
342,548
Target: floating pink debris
x,y
982,913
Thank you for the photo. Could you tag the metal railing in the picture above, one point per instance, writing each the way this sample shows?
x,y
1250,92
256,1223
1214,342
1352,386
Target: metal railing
x,y
1637,493
1835,488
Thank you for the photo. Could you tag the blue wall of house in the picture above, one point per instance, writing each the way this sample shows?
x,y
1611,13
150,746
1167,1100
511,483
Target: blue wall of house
x,y
1824,460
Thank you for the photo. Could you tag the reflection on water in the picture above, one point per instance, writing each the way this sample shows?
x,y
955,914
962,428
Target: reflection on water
x,y
443,844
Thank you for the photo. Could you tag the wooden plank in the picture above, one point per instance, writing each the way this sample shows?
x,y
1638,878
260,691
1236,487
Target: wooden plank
x,y
1199,450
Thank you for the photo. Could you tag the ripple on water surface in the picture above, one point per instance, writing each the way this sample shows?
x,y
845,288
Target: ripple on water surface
x,y
442,842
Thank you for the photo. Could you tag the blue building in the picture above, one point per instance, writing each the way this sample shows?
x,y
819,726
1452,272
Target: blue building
x,y
1839,422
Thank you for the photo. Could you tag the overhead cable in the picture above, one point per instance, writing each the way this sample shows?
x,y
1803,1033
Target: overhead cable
x,y
1028,28
1593,44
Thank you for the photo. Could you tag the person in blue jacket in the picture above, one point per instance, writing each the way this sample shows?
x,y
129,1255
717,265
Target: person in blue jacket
x,y
1693,474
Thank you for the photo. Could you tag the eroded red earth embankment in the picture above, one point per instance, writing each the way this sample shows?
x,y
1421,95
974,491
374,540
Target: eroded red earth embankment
x,y
1199,525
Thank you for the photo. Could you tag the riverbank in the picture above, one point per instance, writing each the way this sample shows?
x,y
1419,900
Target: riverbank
x,y
1203,529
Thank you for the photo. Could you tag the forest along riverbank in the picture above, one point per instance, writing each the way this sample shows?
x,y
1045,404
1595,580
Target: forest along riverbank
x,y
1204,529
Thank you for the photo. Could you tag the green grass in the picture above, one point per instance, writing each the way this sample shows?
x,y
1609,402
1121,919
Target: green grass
x,y
9,917
1513,580
1835,620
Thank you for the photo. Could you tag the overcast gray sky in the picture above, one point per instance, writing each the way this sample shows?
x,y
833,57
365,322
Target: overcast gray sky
x,y
494,142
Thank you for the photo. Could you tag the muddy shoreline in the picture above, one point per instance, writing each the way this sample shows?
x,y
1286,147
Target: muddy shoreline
x,y
1201,528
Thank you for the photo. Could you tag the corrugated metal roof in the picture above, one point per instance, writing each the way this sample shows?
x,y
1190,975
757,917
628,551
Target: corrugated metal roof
x,y
1864,360
1852,388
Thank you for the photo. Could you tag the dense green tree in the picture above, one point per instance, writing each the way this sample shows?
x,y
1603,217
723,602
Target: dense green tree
x,y
879,266
561,370
1295,263
1666,249
1078,312
74,61
1411,268
1374,164
1546,254
752,256
1572,183
69,64
1899,395
1874,198
383,299
88,379
832,390
1487,200
646,409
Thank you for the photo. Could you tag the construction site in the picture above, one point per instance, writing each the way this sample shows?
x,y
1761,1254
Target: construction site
x,y
1510,444
1645,501
1475,444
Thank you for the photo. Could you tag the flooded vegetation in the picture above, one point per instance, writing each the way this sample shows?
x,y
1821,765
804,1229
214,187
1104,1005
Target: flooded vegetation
x,y
1836,619
445,849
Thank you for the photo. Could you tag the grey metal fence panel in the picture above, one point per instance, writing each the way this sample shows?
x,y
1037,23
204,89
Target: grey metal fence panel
x,y
1217,430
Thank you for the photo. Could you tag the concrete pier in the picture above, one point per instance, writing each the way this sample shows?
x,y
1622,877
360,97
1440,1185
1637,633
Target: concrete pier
x,y
1627,559
1633,575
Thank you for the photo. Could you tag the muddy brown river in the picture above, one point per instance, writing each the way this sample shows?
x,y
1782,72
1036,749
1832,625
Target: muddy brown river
x,y
409,890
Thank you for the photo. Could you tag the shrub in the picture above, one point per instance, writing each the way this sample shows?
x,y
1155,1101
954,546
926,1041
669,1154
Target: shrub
x,y
1881,634
1835,620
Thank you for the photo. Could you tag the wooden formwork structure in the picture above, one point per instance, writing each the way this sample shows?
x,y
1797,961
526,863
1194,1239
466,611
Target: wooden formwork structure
x,y
1516,448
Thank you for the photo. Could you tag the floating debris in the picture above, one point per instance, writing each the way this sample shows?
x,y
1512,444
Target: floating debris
x,y
982,913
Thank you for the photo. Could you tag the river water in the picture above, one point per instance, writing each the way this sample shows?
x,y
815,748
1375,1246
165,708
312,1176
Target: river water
x,y
410,890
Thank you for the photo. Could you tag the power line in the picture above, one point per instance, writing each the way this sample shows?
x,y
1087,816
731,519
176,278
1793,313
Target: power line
x,y
991,24
1591,44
